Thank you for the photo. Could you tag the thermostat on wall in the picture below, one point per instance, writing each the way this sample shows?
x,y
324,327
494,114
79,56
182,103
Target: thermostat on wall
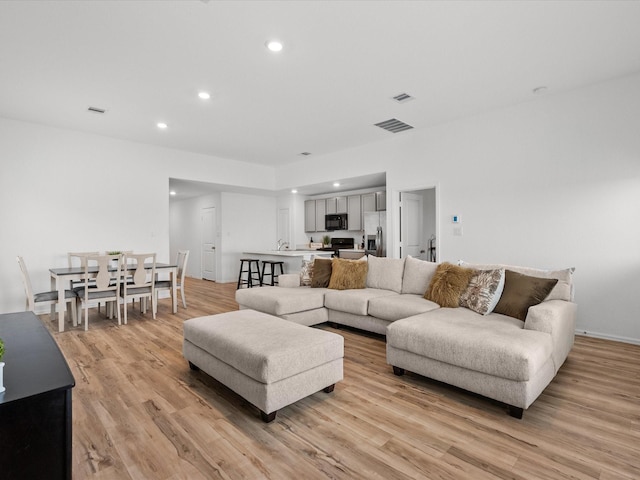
x,y
455,218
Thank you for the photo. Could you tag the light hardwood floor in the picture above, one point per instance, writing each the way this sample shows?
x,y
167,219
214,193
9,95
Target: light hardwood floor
x,y
140,413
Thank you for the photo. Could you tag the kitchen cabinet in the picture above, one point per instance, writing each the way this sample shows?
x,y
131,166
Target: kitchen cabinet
x,y
321,211
369,202
374,201
310,216
354,212
381,201
314,212
336,205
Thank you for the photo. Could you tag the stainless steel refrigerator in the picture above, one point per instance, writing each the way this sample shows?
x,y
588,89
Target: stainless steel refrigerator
x,y
375,224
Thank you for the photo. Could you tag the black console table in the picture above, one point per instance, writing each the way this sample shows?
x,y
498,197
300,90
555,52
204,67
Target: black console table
x,y
35,408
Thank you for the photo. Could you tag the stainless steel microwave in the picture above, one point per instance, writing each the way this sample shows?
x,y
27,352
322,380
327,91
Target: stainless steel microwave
x,y
335,221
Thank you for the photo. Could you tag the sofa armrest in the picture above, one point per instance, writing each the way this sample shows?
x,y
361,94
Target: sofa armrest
x,y
558,319
289,280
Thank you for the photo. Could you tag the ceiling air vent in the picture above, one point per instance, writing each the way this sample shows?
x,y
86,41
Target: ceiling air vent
x,y
403,97
96,110
306,154
394,126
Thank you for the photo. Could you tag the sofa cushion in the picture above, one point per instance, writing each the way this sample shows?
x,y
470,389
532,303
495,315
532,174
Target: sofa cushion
x,y
281,300
447,284
493,344
484,291
321,273
347,274
563,289
353,301
385,273
521,292
395,307
417,275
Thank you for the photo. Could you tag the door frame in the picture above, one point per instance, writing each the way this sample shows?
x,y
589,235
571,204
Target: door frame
x,y
393,250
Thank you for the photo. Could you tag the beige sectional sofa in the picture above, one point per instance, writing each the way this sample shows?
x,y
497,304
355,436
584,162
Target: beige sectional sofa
x,y
494,355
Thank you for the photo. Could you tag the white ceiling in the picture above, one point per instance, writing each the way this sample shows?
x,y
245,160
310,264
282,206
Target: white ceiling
x,y
145,61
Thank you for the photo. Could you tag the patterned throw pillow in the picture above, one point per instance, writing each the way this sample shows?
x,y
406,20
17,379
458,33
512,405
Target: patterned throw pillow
x,y
306,272
484,291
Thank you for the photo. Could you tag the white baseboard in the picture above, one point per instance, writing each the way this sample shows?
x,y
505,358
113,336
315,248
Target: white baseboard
x,y
606,336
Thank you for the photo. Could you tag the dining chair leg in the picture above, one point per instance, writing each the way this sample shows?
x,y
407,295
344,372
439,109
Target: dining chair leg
x,y
117,305
74,311
86,317
184,300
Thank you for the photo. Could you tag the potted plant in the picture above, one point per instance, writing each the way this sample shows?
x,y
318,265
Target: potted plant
x,y
326,240
2,389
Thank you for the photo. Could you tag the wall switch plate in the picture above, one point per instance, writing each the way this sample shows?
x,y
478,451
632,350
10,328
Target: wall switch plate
x,y
457,231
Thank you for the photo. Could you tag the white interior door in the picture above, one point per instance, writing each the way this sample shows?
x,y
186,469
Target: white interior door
x,y
209,243
412,217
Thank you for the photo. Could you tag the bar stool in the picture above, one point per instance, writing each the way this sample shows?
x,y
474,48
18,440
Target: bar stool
x,y
272,271
251,279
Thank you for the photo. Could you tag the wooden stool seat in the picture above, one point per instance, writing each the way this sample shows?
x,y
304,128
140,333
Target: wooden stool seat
x,y
253,273
272,271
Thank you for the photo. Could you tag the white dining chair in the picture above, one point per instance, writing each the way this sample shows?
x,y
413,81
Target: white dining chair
x,y
140,282
103,286
45,298
181,262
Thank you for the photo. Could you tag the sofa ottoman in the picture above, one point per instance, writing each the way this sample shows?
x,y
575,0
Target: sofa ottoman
x,y
269,361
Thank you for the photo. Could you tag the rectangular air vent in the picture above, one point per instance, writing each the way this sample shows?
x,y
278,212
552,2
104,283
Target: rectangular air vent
x,y
394,125
403,97
96,110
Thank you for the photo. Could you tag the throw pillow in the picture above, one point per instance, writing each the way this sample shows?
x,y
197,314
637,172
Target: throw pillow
x,y
484,291
385,273
321,273
417,275
348,274
521,292
306,271
448,282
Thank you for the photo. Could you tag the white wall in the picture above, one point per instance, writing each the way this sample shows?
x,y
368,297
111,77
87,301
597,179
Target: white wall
x,y
551,183
62,190
248,223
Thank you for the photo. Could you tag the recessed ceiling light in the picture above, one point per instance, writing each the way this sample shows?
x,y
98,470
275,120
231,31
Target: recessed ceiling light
x,y
540,90
294,191
274,45
336,184
172,192
204,95
162,125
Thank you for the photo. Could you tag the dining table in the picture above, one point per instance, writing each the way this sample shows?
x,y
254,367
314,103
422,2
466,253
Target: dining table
x,y
62,276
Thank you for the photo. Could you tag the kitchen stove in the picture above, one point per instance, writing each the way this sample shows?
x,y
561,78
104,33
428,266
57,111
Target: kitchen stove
x,y
337,244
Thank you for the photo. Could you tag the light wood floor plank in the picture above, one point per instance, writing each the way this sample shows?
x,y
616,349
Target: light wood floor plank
x,y
141,413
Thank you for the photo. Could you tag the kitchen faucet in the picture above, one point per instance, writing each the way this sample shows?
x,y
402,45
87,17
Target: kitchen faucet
x,y
282,244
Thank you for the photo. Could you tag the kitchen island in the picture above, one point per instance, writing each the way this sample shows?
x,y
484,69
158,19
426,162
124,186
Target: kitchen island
x,y
292,258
